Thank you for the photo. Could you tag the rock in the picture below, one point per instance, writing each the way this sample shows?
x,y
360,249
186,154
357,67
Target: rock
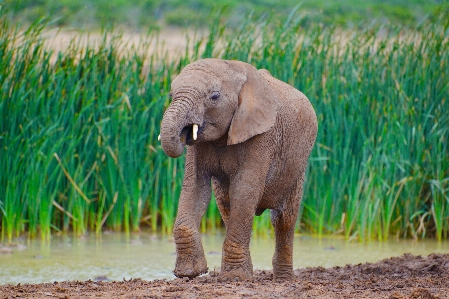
x,y
5,250
101,278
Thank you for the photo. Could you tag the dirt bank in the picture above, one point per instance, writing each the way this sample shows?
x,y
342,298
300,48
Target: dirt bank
x,y
407,276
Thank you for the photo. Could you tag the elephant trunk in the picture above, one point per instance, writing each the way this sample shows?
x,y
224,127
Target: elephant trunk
x,y
178,127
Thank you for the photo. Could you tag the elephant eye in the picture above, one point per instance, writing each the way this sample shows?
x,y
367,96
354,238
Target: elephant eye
x,y
215,95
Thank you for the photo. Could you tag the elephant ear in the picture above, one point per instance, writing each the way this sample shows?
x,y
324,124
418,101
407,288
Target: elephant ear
x,y
257,109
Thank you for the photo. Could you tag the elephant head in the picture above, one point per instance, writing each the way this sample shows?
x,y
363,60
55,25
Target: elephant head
x,y
217,100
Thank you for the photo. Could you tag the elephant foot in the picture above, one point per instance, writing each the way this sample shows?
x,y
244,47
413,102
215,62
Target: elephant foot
x,y
283,268
283,275
236,275
189,266
190,261
236,263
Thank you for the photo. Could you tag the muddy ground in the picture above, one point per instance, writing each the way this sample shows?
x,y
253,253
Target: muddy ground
x,y
407,276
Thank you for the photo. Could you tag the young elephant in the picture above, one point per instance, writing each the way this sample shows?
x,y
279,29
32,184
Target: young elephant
x,y
251,135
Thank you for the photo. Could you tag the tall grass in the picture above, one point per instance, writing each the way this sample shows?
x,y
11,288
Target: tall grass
x,y
78,129
78,140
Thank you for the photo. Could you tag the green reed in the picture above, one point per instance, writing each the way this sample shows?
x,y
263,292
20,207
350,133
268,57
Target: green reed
x,y
381,161
78,129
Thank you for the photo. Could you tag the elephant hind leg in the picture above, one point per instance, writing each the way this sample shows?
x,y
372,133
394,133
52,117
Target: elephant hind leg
x,y
221,191
284,226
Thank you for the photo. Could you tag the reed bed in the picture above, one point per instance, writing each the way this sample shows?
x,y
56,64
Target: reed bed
x,y
78,129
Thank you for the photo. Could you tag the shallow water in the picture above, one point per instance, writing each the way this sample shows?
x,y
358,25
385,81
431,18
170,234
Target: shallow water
x,y
116,256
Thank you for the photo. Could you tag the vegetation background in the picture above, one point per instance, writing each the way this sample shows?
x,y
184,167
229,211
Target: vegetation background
x,y
79,126
138,15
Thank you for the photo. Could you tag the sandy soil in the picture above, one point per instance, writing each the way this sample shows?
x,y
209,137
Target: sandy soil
x,y
408,276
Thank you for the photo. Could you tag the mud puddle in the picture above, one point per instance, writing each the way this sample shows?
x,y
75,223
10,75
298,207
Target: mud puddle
x,y
115,257
402,277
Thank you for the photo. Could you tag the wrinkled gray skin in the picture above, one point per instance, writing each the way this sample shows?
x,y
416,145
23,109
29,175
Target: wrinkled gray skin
x,y
255,136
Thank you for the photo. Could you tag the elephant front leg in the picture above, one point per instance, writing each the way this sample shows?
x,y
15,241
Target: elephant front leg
x,y
236,258
195,196
190,259
245,193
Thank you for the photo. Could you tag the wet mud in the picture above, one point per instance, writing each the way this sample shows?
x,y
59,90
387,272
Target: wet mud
x,y
407,276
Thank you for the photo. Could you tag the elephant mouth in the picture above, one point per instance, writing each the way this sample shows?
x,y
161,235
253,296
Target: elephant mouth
x,y
186,135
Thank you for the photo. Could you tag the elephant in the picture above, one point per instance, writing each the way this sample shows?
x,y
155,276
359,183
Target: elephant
x,y
248,137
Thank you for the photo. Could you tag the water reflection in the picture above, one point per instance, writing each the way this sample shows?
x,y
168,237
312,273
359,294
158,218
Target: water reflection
x,y
116,256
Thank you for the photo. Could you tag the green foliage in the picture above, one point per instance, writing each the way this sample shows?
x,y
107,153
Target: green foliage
x,y
78,129
139,14
79,136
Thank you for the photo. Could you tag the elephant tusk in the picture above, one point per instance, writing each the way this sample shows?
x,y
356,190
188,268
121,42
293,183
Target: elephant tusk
x,y
195,131
159,137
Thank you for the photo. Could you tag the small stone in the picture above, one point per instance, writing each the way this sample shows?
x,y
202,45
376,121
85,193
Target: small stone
x,y
101,278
